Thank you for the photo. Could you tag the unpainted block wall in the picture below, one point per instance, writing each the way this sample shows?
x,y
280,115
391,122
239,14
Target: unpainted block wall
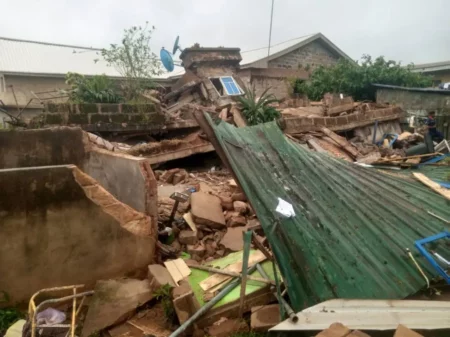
x,y
54,235
420,104
313,55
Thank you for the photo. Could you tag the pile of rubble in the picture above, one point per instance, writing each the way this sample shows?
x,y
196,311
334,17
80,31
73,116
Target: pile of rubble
x,y
209,224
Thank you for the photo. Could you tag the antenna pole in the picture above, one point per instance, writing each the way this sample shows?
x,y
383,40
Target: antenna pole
x,y
270,34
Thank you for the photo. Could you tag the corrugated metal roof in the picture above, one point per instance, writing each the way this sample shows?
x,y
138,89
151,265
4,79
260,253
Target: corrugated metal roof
x,y
372,315
352,224
430,67
258,57
396,87
40,58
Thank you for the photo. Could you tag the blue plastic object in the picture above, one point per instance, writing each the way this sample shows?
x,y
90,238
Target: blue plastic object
x,y
436,159
420,246
166,59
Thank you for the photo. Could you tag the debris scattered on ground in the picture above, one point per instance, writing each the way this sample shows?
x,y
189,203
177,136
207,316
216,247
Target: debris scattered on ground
x,y
113,302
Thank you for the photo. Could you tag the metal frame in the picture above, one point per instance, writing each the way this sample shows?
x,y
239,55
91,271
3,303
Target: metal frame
x,y
33,309
420,246
223,85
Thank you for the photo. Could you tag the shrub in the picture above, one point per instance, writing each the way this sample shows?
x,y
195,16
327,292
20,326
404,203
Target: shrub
x,y
356,80
96,89
258,110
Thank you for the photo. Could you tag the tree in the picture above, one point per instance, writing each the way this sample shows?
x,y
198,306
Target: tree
x,y
356,80
134,60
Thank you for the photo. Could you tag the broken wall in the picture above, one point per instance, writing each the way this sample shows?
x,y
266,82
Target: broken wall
x,y
59,227
128,178
420,103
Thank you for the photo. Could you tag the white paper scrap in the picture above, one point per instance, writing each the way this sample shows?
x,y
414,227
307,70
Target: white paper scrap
x,y
285,208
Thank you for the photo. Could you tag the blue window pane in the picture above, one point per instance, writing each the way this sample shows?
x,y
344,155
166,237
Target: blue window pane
x,y
230,85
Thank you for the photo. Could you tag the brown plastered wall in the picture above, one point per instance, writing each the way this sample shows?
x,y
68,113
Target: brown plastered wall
x,y
59,227
41,147
130,179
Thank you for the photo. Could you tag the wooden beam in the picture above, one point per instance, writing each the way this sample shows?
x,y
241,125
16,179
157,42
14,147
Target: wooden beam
x,y
353,152
433,185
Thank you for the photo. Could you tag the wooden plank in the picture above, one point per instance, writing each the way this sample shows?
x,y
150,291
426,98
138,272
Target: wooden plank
x,y
238,119
217,279
190,221
341,142
433,185
178,269
313,143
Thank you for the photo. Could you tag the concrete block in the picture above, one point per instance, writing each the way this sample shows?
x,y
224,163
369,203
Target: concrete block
x,y
206,210
159,276
184,301
187,237
236,221
265,317
240,207
226,202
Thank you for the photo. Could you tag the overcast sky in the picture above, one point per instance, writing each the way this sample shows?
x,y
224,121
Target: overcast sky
x,y
404,30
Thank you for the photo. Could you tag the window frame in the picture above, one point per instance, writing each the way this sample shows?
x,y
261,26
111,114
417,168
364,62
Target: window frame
x,y
220,78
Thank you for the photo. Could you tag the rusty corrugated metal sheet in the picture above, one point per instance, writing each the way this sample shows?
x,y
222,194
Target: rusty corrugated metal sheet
x,y
352,224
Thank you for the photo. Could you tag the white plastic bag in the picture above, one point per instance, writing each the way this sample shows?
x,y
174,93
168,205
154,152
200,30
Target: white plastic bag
x,y
50,316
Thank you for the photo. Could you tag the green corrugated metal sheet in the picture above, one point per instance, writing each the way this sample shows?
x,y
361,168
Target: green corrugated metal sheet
x,y
352,224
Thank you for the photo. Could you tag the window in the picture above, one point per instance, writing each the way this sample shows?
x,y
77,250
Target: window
x,y
226,85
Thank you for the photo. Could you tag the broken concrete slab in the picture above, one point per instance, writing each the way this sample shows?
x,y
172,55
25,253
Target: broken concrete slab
x,y
240,206
112,241
114,301
184,301
265,317
206,210
236,221
158,276
232,240
335,330
227,327
238,196
187,237
197,251
227,202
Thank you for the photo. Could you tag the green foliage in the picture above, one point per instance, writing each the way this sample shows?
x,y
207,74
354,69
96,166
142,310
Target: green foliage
x,y
8,317
355,80
96,89
258,110
134,60
163,294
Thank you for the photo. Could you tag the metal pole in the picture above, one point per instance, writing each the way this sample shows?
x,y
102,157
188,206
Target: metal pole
x,y
270,34
230,273
292,316
209,305
247,238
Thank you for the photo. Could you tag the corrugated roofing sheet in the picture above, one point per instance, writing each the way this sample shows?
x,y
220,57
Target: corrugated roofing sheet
x,y
352,224
30,57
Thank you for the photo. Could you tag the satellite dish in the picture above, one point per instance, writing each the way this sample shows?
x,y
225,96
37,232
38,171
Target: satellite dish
x,y
166,59
176,45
